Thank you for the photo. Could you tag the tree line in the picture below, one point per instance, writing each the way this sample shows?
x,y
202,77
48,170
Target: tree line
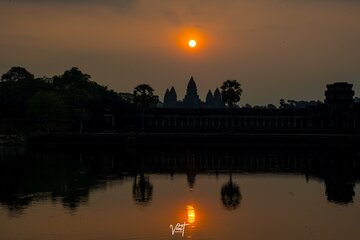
x,y
74,96
69,96
73,92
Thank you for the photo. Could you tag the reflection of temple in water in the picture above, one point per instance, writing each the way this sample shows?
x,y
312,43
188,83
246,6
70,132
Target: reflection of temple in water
x,y
71,174
191,171
339,171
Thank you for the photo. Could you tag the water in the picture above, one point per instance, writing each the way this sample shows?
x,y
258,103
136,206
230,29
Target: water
x,y
137,193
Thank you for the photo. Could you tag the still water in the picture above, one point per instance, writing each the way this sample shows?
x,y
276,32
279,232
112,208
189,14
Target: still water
x,y
178,193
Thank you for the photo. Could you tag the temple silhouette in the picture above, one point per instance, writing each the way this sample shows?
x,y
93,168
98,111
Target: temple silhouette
x,y
339,113
192,99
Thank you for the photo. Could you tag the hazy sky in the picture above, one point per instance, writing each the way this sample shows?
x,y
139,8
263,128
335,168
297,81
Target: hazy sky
x,y
277,49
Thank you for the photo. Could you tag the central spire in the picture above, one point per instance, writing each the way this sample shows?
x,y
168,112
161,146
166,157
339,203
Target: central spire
x,y
192,85
191,99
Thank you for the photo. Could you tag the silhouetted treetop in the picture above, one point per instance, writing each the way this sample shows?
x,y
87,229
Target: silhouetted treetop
x,y
231,92
47,99
72,78
144,96
17,74
80,92
17,86
293,104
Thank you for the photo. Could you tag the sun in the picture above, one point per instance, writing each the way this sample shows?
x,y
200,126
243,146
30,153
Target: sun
x,y
192,43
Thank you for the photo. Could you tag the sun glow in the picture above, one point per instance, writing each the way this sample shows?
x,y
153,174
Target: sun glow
x,y
192,43
191,40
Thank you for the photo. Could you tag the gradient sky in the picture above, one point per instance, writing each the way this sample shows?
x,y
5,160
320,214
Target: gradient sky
x,y
277,49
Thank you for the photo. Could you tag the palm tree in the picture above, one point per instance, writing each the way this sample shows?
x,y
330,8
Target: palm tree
x,y
144,97
231,92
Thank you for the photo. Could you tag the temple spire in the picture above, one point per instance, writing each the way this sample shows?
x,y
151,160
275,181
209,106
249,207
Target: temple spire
x,y
218,99
209,99
191,99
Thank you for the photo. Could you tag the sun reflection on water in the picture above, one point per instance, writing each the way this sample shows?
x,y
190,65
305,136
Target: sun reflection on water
x,y
190,214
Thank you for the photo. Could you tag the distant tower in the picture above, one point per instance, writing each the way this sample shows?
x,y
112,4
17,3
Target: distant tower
x,y
218,102
170,98
166,98
209,99
173,97
191,99
339,96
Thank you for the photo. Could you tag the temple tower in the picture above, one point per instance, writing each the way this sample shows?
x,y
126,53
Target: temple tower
x,y
191,99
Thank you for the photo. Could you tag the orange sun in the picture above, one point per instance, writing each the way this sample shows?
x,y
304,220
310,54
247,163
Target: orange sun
x,y
192,43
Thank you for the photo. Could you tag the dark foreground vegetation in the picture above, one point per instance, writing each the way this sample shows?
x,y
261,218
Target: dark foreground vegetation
x,y
62,103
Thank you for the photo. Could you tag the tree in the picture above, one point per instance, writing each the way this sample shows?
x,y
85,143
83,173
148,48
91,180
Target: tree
x,y
75,86
282,103
85,98
17,74
144,97
247,106
271,106
231,92
73,78
81,115
292,104
46,107
17,86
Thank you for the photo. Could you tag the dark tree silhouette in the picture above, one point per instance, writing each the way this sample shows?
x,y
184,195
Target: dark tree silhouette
x,y
144,97
85,101
231,92
142,190
73,78
17,86
271,106
82,115
85,98
230,195
282,103
46,107
17,74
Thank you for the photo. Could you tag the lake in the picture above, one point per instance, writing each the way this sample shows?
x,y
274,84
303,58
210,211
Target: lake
x,y
187,192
